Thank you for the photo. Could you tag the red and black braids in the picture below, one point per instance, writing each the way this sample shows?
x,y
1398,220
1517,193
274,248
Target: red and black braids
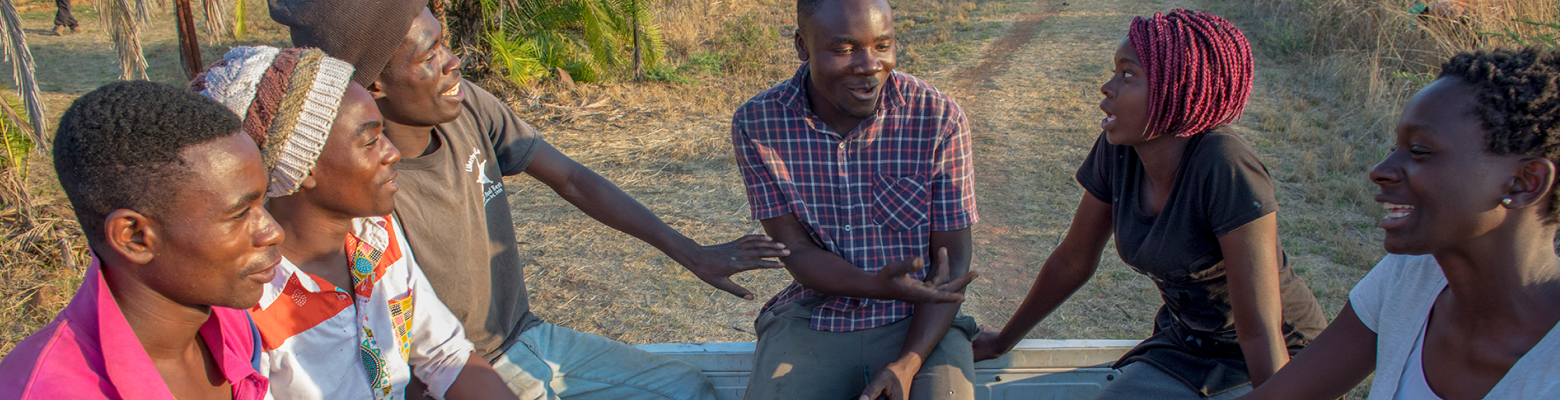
x,y
1199,70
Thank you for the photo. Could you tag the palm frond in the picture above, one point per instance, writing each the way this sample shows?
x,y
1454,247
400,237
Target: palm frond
x,y
654,44
216,12
14,43
591,39
518,59
240,18
123,20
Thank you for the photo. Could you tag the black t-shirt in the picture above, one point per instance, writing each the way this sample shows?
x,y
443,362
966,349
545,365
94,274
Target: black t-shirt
x,y
456,214
1220,186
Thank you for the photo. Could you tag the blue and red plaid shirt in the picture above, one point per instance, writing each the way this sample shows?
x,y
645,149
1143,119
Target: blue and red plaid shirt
x,y
872,196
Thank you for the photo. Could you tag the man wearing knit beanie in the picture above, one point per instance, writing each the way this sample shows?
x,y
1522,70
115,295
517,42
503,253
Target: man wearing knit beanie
x,y
459,142
344,266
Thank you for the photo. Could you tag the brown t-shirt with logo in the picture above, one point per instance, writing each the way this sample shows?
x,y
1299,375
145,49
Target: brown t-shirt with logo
x,y
456,214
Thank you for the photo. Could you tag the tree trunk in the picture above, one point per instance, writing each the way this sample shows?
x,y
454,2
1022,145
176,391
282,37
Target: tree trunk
x,y
639,66
464,28
189,45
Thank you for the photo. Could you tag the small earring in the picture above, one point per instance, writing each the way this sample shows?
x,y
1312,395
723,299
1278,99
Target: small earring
x,y
1506,202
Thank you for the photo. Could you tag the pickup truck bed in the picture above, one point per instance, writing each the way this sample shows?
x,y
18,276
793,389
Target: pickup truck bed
x,y
1036,369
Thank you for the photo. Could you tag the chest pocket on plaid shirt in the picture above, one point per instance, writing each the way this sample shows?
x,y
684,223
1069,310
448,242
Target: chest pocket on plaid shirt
x,y
900,202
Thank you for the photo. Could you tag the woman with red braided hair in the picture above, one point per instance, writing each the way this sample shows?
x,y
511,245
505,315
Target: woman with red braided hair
x,y
1191,207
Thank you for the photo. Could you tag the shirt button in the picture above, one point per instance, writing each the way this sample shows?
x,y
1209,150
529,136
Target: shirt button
x,y
847,228
842,145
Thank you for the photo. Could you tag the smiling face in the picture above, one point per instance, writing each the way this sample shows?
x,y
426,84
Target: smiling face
x,y
849,48
220,245
421,84
1126,99
1439,186
355,175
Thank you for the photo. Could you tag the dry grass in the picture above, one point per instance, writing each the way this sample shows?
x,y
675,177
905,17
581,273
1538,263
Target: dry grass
x,y
43,254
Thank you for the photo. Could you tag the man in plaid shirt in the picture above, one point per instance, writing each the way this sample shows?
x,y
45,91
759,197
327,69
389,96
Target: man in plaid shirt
x,y
864,173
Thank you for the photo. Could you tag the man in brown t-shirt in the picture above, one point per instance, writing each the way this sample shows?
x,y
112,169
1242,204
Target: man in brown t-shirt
x,y
458,143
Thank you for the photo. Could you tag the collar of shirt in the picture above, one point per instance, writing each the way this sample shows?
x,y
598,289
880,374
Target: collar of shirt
x,y
295,302
132,373
793,95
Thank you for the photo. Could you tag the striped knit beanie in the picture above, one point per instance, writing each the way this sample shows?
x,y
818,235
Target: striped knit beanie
x,y
287,99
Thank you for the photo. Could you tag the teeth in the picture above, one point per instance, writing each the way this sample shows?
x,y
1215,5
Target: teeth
x,y
453,91
1397,210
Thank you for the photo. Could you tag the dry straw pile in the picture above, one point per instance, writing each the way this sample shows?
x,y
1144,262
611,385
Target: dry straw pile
x,y
42,254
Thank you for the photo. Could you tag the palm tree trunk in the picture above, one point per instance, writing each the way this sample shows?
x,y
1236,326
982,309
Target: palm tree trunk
x,y
639,63
189,44
464,28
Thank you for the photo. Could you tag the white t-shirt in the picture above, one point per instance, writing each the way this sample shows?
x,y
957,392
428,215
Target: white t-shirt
x,y
363,342
1394,300
1413,384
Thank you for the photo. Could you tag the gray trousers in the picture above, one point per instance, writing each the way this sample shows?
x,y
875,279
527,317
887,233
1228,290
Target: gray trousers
x,y
62,17
796,362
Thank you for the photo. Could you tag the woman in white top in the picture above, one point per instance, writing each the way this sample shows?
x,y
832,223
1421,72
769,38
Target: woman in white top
x,y
1466,305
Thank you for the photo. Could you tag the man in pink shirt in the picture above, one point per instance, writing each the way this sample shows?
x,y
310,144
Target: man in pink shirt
x,y
169,193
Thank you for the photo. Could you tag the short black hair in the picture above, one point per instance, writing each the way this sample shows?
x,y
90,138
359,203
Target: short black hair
x,y
118,147
1518,99
805,9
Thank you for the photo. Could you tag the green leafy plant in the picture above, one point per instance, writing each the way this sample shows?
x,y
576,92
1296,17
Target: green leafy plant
x,y
592,40
13,45
240,18
18,144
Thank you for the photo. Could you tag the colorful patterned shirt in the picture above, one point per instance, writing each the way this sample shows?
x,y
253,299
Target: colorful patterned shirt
x,y
872,196
70,357
325,342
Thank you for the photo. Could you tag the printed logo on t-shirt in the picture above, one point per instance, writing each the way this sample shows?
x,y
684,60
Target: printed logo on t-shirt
x,y
482,178
490,187
473,158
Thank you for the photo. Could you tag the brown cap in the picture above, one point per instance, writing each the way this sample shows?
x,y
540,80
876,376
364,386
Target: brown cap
x,y
362,32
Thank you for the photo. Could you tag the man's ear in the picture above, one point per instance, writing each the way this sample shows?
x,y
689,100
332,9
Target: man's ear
x,y
374,89
308,182
1533,182
801,48
132,235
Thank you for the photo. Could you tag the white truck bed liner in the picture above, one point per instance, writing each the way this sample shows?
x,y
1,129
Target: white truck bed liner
x,y
1043,369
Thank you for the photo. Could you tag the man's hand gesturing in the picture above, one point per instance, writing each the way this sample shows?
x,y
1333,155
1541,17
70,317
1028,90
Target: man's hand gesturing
x,y
715,264
896,283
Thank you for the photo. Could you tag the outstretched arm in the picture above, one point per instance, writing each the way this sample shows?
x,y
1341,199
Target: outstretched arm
x,y
1251,261
478,381
1066,270
604,201
1339,358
